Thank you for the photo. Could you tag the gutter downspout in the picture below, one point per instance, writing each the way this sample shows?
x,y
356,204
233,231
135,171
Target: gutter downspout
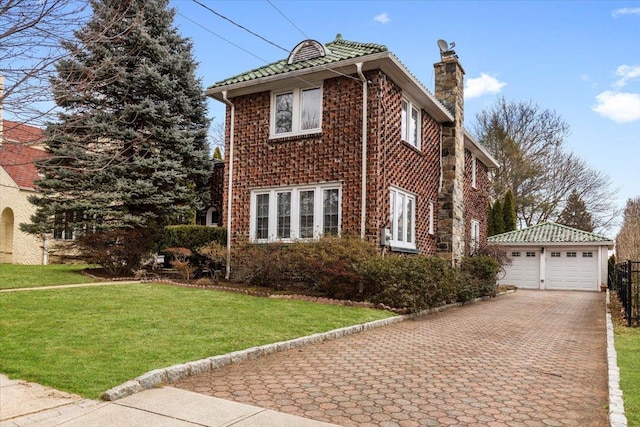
x,y
230,186
363,208
441,165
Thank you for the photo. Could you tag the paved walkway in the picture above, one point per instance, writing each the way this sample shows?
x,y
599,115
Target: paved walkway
x,y
532,358
25,404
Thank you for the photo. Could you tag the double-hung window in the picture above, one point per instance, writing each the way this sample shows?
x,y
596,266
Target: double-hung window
x,y
410,125
403,219
304,212
296,111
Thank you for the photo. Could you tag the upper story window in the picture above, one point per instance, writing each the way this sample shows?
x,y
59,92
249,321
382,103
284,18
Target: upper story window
x,y
411,129
403,219
296,111
295,213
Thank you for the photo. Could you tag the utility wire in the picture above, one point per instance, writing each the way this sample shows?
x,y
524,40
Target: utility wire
x,y
290,21
239,26
220,37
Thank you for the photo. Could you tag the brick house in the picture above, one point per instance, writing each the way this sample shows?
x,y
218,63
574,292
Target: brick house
x,y
342,138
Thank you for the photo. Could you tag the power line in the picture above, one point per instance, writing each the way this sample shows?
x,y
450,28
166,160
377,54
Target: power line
x,y
285,17
239,26
222,38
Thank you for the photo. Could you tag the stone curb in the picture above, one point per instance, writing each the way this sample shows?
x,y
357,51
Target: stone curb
x,y
172,374
617,417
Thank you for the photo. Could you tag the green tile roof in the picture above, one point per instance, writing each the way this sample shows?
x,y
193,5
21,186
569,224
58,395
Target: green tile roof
x,y
548,232
340,50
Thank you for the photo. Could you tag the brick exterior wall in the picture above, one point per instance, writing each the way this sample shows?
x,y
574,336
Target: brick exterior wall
x,y
476,200
335,155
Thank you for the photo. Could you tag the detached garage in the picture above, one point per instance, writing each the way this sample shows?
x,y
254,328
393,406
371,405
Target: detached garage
x,y
554,256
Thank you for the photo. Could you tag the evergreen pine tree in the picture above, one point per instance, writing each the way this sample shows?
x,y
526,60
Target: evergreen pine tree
x,y
509,212
498,218
129,150
490,222
575,213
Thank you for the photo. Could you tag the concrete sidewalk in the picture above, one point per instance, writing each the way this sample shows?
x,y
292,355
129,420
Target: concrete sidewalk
x,y
29,404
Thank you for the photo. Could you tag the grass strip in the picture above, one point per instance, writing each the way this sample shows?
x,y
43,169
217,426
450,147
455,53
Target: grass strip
x,y
13,276
87,340
627,342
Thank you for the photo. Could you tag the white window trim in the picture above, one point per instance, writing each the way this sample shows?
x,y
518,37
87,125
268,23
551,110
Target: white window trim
x,y
296,113
412,105
318,211
475,235
473,171
394,242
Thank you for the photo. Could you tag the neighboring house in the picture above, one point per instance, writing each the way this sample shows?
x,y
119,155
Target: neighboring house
x,y
554,256
342,139
20,146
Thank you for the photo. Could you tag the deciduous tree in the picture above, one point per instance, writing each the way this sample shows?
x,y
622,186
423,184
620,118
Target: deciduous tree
x,y
628,238
529,144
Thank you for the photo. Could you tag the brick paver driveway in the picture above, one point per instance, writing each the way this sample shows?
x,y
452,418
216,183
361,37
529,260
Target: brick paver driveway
x,y
533,358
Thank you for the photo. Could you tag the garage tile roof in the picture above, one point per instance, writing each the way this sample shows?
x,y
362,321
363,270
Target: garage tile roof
x,y
548,232
339,50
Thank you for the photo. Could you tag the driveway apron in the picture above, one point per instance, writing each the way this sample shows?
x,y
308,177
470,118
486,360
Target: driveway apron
x,y
531,358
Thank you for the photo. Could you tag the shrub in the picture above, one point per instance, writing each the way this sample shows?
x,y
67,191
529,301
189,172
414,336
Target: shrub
x,y
476,277
414,282
328,265
119,251
181,261
192,237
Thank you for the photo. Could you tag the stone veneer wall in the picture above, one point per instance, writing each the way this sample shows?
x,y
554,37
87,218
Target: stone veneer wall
x,y
449,80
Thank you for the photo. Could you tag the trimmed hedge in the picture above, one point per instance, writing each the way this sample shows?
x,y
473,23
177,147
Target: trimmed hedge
x,y
192,237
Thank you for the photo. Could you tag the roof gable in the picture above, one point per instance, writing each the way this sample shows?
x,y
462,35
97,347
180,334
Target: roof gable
x,y
308,54
549,232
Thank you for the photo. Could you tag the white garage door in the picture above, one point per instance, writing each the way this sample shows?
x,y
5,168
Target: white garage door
x,y
524,271
574,269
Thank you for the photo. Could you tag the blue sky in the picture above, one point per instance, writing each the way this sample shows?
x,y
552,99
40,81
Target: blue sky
x,y
579,59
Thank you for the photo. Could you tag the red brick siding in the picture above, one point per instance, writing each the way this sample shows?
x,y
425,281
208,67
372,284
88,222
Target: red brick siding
x,y
335,155
476,200
395,163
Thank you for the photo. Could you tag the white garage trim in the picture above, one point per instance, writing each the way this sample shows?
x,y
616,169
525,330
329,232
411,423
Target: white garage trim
x,y
565,258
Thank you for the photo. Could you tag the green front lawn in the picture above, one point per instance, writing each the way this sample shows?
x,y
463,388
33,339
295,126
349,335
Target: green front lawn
x,y
87,340
14,276
627,341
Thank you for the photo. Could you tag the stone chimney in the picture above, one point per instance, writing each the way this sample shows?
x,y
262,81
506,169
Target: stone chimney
x,y
449,90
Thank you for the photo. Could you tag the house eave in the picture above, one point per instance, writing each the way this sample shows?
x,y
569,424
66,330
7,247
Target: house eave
x,y
385,61
479,151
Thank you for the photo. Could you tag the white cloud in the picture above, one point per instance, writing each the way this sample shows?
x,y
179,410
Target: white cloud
x,y
626,73
625,11
383,18
482,85
620,107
